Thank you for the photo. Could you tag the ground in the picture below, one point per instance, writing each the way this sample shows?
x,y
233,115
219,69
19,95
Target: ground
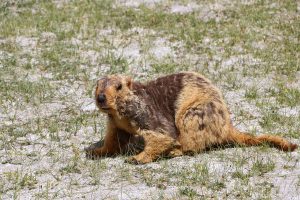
x,y
52,53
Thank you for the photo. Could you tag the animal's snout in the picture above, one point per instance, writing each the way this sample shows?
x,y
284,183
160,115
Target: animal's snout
x,y
101,98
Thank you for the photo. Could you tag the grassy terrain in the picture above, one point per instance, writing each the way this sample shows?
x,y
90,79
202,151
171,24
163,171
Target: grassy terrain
x,y
52,53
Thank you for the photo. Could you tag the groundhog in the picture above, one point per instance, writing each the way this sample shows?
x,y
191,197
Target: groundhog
x,y
177,114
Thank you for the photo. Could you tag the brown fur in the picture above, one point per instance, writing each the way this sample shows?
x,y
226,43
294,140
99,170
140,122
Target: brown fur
x,y
174,115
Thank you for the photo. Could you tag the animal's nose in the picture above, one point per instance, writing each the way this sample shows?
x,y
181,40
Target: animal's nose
x,y
101,98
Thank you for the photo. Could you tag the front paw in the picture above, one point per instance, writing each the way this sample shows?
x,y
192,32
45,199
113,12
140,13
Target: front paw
x,y
90,154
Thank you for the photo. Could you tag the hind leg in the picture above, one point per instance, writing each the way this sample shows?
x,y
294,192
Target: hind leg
x,y
202,126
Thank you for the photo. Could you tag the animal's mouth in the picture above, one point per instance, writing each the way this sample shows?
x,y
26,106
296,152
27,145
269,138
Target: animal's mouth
x,y
104,108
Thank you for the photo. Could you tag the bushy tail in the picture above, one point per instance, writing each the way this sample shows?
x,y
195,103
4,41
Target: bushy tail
x,y
272,140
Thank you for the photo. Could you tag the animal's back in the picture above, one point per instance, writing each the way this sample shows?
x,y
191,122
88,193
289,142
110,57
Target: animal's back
x,y
160,96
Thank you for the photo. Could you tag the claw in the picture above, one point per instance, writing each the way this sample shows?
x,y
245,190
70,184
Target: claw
x,y
90,154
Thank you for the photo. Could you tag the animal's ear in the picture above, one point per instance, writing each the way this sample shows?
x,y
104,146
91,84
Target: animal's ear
x,y
128,82
101,79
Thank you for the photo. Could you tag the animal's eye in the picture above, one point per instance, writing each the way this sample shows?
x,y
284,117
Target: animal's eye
x,y
119,87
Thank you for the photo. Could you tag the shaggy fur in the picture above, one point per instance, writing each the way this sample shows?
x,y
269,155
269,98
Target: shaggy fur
x,y
173,115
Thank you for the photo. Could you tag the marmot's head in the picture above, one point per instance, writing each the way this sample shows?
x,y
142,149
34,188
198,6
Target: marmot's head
x,y
109,89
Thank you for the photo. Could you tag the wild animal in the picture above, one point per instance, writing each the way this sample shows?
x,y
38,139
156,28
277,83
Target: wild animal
x,y
177,114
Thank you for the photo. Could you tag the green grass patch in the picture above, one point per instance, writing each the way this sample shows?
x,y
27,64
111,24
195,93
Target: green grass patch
x,y
25,91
